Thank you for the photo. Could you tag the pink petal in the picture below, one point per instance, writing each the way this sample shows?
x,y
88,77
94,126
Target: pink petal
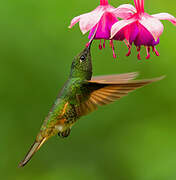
x,y
165,16
124,11
153,25
127,7
119,25
74,21
89,20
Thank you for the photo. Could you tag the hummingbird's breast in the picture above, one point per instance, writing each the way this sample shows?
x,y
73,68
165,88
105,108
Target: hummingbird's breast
x,y
64,113
60,118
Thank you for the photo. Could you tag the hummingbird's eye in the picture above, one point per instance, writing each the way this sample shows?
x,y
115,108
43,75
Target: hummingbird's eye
x,y
82,58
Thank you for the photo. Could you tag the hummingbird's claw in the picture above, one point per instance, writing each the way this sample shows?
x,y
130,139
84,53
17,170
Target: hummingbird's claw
x,y
65,133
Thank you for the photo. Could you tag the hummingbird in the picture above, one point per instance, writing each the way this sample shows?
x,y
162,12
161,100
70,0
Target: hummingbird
x,y
81,95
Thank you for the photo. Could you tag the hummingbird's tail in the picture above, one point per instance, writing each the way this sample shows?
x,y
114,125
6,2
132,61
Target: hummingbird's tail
x,y
34,148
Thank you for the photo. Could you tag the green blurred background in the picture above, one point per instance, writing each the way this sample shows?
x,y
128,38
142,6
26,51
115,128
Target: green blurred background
x,y
132,139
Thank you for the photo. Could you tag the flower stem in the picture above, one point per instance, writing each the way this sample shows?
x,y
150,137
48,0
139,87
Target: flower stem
x,y
139,4
104,2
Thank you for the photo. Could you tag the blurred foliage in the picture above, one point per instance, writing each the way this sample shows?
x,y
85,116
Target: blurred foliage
x,y
132,139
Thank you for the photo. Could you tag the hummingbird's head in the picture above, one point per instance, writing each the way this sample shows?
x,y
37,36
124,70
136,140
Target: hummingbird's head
x,y
82,65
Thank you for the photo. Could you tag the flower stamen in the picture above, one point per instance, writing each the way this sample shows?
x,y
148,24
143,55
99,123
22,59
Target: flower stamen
x,y
104,43
129,51
113,50
155,51
100,46
126,42
148,52
138,50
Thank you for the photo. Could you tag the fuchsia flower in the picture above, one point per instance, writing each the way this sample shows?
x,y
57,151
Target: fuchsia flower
x,y
98,22
139,27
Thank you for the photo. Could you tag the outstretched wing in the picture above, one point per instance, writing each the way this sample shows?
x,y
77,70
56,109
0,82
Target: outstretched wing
x,y
104,91
115,78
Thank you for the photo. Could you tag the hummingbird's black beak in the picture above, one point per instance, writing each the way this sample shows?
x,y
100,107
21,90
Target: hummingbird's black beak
x,y
34,148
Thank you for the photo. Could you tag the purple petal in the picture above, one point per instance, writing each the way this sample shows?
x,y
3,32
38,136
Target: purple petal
x,y
132,32
153,25
104,26
129,33
120,36
144,37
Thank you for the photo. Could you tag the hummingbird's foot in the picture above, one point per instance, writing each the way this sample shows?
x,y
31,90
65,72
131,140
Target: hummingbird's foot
x,y
65,133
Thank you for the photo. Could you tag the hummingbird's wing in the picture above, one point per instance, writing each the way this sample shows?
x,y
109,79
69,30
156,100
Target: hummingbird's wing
x,y
115,78
102,92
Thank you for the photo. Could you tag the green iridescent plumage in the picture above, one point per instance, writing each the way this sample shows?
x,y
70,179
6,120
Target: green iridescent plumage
x,y
81,95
